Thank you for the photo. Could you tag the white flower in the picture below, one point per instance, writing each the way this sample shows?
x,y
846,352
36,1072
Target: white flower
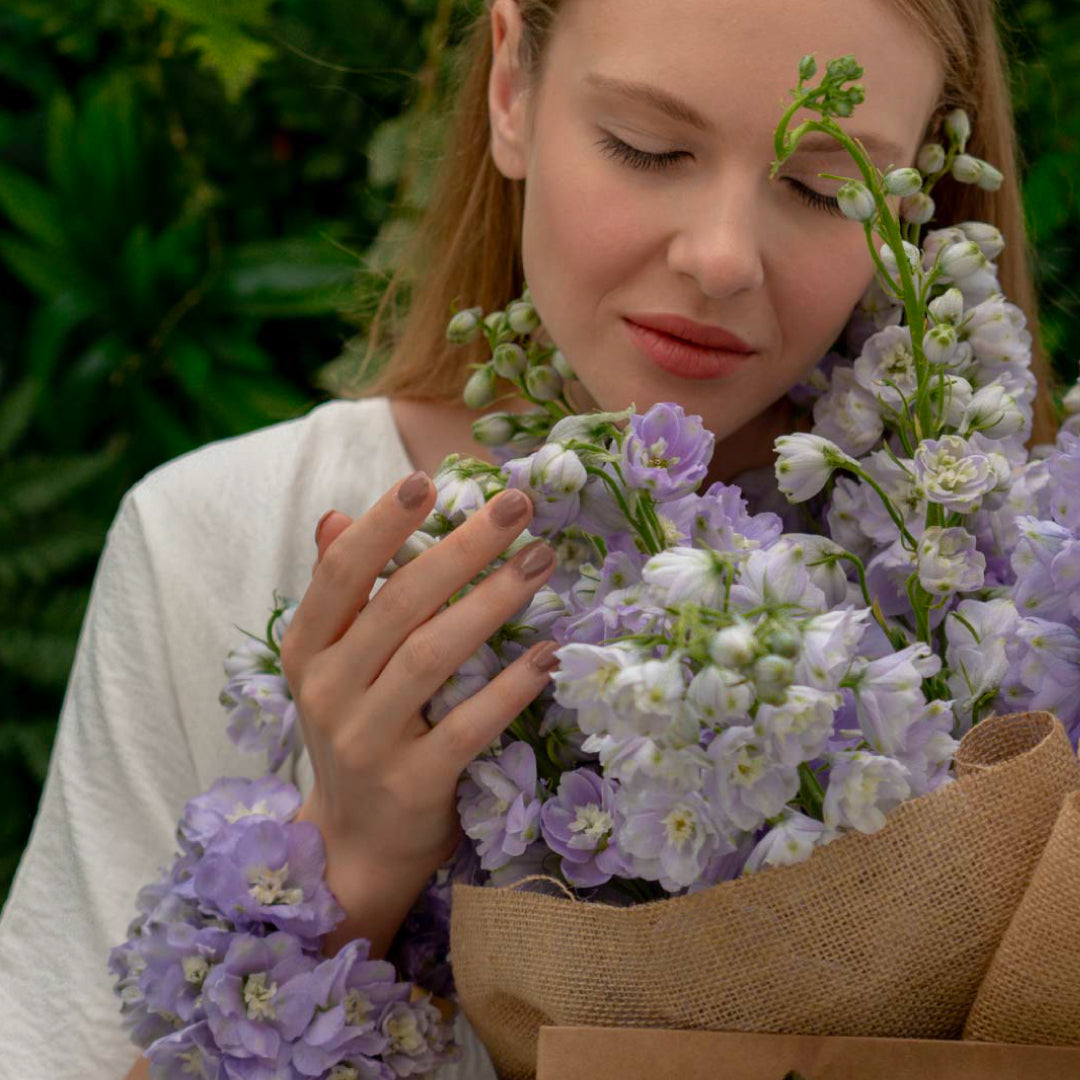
x,y
792,840
948,561
457,496
805,463
958,126
829,645
767,579
966,169
862,789
848,415
886,367
584,680
819,555
919,209
931,158
940,343
954,475
798,727
913,257
695,574
646,697
557,471
748,783
888,694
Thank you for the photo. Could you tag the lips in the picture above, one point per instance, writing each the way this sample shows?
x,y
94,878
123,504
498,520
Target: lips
x,y
711,337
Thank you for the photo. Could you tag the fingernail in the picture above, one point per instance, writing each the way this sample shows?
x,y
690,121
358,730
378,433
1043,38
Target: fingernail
x,y
544,659
533,559
318,528
510,507
412,491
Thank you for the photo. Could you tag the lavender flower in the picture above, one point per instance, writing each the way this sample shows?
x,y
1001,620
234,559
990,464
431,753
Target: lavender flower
x,y
230,800
262,716
862,789
579,823
666,452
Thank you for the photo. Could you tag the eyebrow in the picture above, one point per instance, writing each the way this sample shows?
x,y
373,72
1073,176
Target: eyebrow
x,y
684,113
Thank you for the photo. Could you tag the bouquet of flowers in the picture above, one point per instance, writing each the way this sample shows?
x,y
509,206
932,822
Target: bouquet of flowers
x,y
737,691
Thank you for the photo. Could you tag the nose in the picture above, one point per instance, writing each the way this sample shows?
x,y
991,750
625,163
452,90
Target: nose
x,y
718,241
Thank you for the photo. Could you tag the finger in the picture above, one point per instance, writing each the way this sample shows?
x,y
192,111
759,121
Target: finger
x,y
418,590
435,651
348,569
477,722
330,528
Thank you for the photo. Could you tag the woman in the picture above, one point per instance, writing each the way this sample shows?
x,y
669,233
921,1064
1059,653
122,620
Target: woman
x,y
621,148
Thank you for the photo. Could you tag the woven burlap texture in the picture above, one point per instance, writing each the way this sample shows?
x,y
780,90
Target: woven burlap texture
x,y
1031,993
882,935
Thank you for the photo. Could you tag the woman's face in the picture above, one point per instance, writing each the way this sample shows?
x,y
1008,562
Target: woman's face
x,y
702,233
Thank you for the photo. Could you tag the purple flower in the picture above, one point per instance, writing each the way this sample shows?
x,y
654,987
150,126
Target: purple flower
x,y
551,512
262,716
419,1039
499,805
191,1051
579,823
178,958
246,1009
345,998
260,871
229,800
666,452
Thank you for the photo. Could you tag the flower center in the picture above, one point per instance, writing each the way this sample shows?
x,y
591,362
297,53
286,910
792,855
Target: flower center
x,y
681,826
593,822
259,997
404,1033
358,1007
268,886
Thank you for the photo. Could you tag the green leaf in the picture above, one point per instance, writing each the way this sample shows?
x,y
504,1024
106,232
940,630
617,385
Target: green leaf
x,y
249,12
41,271
17,410
233,55
287,278
30,207
41,658
29,740
34,485
59,144
37,561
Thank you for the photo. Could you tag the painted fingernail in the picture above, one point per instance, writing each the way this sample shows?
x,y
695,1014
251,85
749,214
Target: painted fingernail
x,y
318,528
533,559
412,491
510,507
544,659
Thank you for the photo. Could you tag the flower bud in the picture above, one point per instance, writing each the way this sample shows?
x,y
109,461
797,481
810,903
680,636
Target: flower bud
x,y
734,646
464,326
1071,401
961,260
495,429
940,343
931,159
414,547
785,641
990,179
918,209
480,389
543,382
958,127
856,201
903,182
988,237
509,360
499,325
807,68
914,258
562,365
966,169
948,308
556,471
772,677
993,412
522,317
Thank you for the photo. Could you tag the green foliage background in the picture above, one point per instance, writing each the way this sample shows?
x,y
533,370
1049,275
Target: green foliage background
x,y
199,201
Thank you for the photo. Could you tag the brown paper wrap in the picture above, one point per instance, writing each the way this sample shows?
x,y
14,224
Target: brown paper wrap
x,y
886,935
1032,991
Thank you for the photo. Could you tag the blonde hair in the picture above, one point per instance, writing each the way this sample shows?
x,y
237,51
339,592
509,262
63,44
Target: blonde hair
x,y
467,249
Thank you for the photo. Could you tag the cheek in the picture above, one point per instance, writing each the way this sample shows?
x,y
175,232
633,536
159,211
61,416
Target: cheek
x,y
818,293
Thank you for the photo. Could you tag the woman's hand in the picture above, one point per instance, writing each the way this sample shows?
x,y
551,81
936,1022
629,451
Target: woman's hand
x,y
361,667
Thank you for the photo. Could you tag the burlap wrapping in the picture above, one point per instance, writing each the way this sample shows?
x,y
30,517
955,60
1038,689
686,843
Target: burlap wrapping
x,y
883,935
1031,993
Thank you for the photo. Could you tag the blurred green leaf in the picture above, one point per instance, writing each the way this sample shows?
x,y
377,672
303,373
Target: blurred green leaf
x,y
30,207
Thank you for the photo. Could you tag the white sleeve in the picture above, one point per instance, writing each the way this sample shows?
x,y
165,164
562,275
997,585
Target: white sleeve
x,y
120,772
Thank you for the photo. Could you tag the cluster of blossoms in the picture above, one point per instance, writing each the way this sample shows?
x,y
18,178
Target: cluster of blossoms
x,y
221,975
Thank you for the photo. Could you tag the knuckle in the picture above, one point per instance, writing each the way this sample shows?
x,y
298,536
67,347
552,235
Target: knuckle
x,y
336,565
422,654
394,602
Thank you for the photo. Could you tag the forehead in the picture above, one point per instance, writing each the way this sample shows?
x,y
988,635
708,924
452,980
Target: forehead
x,y
734,61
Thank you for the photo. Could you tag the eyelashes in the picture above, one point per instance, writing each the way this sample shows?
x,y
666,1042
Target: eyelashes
x,y
639,159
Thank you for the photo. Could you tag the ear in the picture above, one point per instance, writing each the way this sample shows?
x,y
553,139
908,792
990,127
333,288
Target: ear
x,y
507,106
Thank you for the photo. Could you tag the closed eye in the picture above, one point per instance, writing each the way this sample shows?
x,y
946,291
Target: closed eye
x,y
623,152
